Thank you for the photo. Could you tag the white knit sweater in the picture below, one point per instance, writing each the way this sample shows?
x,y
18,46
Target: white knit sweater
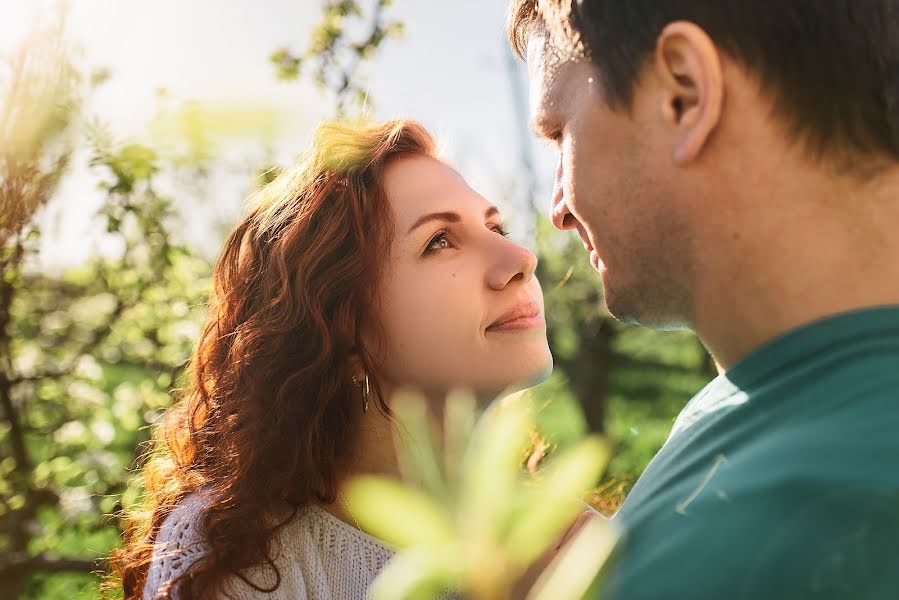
x,y
318,556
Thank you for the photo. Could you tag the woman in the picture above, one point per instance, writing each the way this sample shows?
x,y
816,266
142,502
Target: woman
x,y
370,266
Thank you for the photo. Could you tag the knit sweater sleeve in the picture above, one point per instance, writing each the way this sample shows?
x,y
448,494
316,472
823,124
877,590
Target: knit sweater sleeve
x,y
179,545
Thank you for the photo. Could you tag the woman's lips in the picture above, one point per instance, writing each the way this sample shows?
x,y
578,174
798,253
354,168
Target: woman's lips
x,y
522,317
520,324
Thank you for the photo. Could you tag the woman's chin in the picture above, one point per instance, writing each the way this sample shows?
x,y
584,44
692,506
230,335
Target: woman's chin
x,y
538,370
508,373
542,372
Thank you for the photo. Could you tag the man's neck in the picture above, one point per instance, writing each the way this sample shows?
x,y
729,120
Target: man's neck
x,y
822,252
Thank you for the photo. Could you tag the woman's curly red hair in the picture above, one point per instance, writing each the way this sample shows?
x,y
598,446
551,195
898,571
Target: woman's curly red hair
x,y
271,410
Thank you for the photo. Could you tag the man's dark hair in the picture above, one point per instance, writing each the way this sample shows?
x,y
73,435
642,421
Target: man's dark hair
x,y
830,66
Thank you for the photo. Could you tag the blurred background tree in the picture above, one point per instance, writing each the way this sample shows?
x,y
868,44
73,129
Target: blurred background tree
x,y
349,33
89,355
86,358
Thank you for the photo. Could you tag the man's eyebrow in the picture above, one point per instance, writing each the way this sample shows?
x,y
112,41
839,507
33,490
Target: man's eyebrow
x,y
447,216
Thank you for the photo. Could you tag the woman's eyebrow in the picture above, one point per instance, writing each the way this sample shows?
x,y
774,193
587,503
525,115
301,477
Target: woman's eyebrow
x,y
448,216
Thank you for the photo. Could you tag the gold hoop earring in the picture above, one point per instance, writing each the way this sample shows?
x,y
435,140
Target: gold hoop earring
x,y
366,394
366,391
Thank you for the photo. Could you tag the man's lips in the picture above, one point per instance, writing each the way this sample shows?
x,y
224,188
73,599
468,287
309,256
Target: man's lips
x,y
525,315
595,259
582,232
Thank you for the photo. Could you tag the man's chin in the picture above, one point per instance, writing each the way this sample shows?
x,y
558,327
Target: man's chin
x,y
596,261
609,296
620,312
631,309
620,301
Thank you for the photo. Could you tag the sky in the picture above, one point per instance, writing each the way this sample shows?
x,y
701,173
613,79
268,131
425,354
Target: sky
x,y
452,70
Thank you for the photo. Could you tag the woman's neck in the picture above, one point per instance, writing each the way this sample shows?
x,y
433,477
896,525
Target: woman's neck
x,y
374,454
376,448
375,451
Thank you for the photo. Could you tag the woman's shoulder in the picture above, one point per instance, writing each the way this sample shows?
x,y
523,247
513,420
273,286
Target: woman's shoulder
x,y
328,532
313,549
179,544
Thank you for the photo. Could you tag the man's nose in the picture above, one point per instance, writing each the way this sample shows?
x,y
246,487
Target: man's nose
x,y
559,214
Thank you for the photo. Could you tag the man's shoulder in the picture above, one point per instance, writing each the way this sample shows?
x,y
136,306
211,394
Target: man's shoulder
x,y
730,450
793,539
760,501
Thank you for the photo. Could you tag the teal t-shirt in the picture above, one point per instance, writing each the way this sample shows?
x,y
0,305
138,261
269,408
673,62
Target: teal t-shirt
x,y
779,480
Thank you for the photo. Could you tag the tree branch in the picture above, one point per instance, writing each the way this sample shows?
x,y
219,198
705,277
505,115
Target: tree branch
x,y
11,413
51,564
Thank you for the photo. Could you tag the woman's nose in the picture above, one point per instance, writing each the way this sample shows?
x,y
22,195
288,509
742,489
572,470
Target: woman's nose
x,y
512,263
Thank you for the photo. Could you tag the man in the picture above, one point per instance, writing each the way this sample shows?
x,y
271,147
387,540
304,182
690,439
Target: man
x,y
733,168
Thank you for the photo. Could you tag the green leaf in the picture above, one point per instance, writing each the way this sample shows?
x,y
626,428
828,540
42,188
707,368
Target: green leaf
x,y
492,465
399,514
420,456
395,29
416,574
458,423
555,502
574,569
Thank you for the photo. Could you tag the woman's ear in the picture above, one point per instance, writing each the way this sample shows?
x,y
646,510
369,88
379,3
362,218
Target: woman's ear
x,y
687,63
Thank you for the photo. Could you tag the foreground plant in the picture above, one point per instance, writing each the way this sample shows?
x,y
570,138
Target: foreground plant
x,y
468,517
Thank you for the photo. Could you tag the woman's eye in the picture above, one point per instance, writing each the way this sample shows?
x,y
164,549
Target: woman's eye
x,y
500,229
440,242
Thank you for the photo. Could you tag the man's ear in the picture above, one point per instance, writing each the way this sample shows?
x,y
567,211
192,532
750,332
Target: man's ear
x,y
688,65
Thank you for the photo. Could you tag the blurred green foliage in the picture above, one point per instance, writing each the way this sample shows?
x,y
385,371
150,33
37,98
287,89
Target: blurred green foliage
x,y
350,32
92,356
87,357
467,516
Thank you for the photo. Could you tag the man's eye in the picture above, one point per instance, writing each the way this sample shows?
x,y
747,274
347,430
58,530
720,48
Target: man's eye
x,y
554,135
